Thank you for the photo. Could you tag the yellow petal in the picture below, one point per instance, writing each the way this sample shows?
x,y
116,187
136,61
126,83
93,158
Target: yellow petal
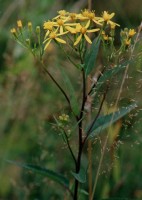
x,y
60,40
61,29
111,15
47,44
88,24
70,29
46,40
96,22
93,30
47,33
62,33
77,40
88,39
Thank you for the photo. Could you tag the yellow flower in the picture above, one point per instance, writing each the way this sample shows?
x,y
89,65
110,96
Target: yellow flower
x,y
60,24
19,24
30,26
105,37
106,17
72,17
89,15
127,42
54,36
61,14
112,25
64,117
48,26
131,32
13,31
83,30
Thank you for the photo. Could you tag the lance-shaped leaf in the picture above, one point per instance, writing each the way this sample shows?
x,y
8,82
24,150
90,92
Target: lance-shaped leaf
x,y
91,56
107,75
105,121
81,176
46,172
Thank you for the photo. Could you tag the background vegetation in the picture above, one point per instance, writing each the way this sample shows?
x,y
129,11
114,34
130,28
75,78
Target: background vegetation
x,y
28,102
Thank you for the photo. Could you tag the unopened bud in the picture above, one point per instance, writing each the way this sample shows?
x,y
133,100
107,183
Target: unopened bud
x,y
28,41
13,31
19,24
30,26
38,29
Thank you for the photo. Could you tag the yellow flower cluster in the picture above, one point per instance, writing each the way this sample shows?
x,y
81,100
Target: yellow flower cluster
x,y
127,35
78,25
64,117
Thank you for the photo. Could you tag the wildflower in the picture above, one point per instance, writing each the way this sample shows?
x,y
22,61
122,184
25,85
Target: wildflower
x,y
106,17
127,42
131,33
28,42
82,30
64,117
61,14
49,27
112,25
105,37
90,16
14,32
19,24
60,24
30,26
54,36
38,29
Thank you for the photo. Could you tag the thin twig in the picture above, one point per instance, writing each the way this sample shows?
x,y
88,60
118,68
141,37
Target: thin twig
x,y
98,113
70,149
60,88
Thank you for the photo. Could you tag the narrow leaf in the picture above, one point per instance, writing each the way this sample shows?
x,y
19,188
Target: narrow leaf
x,y
46,172
106,120
110,73
91,56
81,176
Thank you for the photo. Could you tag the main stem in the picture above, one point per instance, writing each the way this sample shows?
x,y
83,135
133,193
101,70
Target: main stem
x,y
80,133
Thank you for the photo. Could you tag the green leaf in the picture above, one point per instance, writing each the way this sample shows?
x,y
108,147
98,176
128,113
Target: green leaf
x,y
81,176
110,73
107,120
46,172
91,55
71,91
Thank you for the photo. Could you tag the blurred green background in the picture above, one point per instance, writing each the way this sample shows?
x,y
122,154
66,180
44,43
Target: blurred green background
x,y
28,102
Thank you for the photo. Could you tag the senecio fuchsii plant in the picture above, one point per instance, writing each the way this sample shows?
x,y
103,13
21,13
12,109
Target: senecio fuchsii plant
x,y
86,36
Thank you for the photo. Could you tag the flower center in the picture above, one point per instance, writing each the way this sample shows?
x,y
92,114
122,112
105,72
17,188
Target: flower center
x,y
91,15
60,22
52,35
83,30
72,16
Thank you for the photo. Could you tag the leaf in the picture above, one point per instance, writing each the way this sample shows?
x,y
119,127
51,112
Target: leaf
x,y
49,173
81,176
110,73
71,90
106,120
91,55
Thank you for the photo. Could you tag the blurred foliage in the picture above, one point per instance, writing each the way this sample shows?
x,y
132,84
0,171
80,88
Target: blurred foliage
x,y
28,104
